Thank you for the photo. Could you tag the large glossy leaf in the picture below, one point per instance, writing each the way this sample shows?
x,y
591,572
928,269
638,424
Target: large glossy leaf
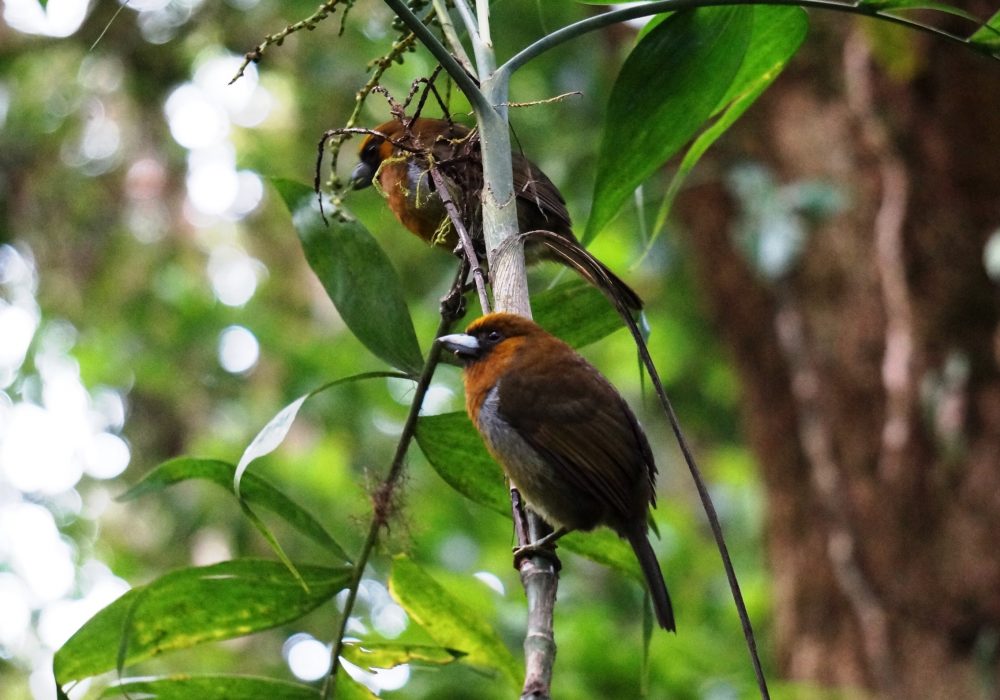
x,y
457,454
211,687
228,687
776,35
254,489
450,622
192,606
987,37
668,87
575,312
357,276
890,5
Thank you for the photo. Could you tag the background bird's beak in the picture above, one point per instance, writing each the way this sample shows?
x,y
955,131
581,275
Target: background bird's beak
x,y
464,346
361,176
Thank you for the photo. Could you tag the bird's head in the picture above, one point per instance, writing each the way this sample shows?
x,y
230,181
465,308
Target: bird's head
x,y
420,134
492,334
374,149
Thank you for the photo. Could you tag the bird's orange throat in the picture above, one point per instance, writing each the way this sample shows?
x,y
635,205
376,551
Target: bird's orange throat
x,y
482,375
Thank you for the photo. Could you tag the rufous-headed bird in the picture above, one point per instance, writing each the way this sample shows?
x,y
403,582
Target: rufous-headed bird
x,y
400,159
563,434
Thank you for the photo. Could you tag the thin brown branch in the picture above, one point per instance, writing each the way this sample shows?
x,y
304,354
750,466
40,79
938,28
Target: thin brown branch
x,y
468,248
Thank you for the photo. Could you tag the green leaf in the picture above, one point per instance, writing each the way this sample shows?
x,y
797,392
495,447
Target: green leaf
x,y
776,35
255,490
211,687
987,37
389,654
669,85
456,452
890,5
605,547
450,622
269,438
350,689
575,312
358,278
273,434
192,606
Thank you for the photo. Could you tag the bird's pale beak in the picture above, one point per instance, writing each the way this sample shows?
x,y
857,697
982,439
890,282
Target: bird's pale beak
x,y
361,176
465,347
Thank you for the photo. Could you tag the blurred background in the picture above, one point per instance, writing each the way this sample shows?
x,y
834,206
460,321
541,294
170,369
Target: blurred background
x,y
823,308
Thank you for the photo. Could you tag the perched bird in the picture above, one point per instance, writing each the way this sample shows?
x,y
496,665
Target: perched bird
x,y
562,433
400,160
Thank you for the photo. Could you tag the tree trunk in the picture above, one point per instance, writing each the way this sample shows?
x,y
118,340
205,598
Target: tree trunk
x,y
869,372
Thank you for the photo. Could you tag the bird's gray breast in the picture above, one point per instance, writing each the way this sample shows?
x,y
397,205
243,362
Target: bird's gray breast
x,y
537,480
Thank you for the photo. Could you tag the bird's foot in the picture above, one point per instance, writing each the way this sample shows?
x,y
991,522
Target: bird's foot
x,y
544,548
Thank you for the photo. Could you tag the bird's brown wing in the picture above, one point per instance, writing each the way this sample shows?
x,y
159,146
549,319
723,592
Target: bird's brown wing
x,y
541,205
584,430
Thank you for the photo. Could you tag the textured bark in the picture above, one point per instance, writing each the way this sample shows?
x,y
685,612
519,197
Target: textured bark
x,y
870,373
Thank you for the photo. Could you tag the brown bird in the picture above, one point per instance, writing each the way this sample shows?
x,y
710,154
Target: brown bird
x,y
400,159
563,434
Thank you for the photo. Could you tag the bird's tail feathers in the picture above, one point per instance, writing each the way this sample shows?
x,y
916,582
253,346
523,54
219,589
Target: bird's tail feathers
x,y
654,579
590,268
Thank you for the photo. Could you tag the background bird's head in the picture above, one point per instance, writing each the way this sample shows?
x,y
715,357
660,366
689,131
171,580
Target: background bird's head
x,y
420,135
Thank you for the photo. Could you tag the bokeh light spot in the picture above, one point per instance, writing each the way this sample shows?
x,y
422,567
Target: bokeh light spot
x,y
238,349
307,657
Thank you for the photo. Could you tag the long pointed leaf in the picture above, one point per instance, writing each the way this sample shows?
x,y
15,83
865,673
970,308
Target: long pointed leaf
x,y
450,622
669,85
390,654
358,278
192,606
274,433
575,312
210,687
457,454
254,489
987,37
776,35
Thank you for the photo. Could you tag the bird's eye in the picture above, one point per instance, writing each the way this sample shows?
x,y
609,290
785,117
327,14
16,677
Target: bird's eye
x,y
494,337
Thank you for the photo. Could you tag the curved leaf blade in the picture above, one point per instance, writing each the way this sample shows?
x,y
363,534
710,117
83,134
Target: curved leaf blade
x,y
987,37
390,654
450,622
776,36
255,490
192,606
273,434
456,452
211,687
576,313
668,87
358,278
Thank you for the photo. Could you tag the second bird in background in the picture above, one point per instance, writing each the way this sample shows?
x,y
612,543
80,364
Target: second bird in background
x,y
563,434
400,159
